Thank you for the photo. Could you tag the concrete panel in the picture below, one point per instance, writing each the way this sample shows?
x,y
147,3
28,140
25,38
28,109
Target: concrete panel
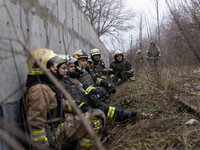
x,y
55,24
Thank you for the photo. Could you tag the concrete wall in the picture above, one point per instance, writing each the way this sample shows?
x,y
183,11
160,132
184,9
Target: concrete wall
x,y
55,24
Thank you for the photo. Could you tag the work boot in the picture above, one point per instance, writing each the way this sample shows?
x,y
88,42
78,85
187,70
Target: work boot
x,y
122,115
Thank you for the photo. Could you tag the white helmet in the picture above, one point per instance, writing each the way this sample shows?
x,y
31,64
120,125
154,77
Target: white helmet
x,y
95,51
138,51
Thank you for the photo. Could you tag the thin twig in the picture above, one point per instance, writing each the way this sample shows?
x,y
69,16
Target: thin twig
x,y
56,83
9,141
110,134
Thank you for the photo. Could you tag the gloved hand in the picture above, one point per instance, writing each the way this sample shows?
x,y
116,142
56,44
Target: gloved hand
x,y
144,115
102,94
111,88
99,114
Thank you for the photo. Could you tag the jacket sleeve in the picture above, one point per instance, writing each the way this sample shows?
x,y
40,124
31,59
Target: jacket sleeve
x,y
39,99
129,72
104,70
111,71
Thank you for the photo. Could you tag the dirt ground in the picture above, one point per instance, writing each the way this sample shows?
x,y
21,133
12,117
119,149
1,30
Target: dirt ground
x,y
167,128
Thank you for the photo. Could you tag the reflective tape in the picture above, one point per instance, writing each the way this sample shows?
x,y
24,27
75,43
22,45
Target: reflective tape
x,y
111,112
129,71
98,81
81,105
69,108
59,129
86,142
112,75
111,69
103,77
38,135
89,89
36,72
96,124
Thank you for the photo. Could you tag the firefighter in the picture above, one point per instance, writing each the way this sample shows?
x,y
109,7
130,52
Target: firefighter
x,y
46,109
139,57
153,54
87,77
120,70
98,66
90,95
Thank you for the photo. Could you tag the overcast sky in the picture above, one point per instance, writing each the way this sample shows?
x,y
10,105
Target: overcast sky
x,y
148,9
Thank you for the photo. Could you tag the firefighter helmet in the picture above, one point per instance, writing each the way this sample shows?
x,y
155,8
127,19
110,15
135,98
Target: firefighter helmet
x,y
95,52
64,59
46,57
118,52
80,54
90,60
138,51
71,59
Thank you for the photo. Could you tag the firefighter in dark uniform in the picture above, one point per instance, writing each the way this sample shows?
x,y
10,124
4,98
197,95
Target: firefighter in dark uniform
x,y
88,95
98,65
153,54
87,77
120,70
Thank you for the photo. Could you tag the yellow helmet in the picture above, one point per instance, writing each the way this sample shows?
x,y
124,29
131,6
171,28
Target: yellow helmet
x,y
80,54
95,52
118,52
46,57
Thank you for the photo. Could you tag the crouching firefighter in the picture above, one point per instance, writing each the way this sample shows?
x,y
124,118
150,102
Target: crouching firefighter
x,y
87,77
98,66
66,74
120,70
48,122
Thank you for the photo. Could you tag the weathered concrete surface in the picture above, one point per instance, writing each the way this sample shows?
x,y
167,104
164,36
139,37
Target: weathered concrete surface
x,y
55,24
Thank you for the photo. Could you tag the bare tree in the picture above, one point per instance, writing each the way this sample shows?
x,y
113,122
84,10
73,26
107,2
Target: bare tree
x,y
107,16
157,18
140,33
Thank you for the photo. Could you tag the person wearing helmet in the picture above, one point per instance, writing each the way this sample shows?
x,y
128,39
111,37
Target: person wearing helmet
x,y
87,77
153,54
139,59
98,66
89,62
45,109
120,70
89,96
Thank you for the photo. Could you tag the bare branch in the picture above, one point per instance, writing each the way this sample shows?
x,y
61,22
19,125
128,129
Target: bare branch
x,y
56,83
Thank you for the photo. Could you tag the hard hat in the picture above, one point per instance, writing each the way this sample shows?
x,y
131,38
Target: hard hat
x,y
118,52
46,57
62,60
95,51
90,60
71,59
80,54
138,51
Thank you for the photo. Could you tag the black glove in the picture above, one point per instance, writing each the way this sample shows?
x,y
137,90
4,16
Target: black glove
x,y
111,89
100,93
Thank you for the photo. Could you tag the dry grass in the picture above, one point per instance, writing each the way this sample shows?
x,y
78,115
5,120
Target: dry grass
x,y
166,129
